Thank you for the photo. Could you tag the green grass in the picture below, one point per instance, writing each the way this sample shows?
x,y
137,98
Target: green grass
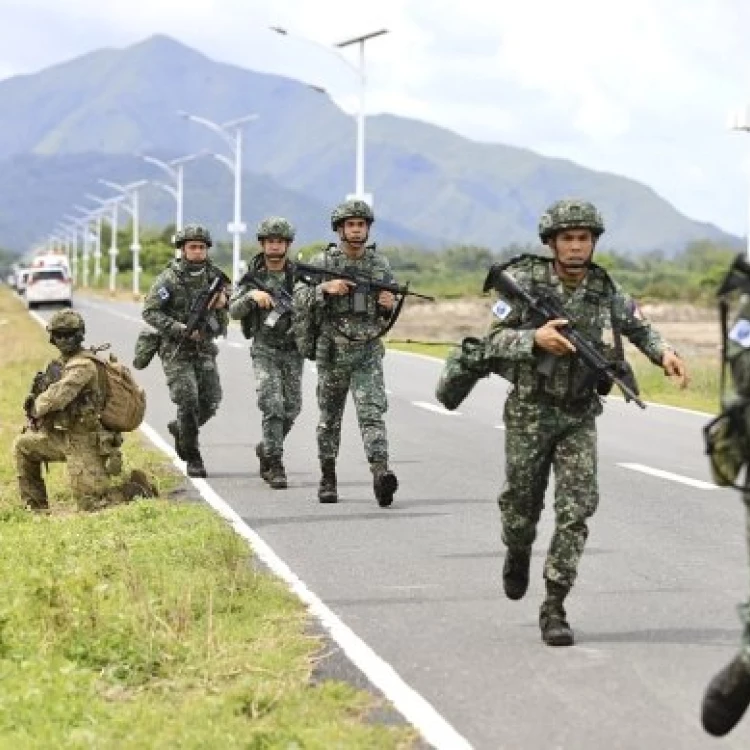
x,y
701,395
147,625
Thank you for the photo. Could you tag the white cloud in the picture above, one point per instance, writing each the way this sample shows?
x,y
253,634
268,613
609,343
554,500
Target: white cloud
x,y
639,87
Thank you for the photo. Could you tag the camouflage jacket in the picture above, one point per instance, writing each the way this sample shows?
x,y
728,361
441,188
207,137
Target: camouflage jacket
x,y
168,303
75,400
596,307
339,321
255,320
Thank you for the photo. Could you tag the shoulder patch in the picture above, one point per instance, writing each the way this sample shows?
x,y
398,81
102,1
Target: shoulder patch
x,y
501,309
163,293
740,333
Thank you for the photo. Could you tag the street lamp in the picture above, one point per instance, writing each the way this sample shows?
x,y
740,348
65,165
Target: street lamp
x,y
359,169
174,169
131,190
76,223
114,204
65,234
234,141
740,120
88,215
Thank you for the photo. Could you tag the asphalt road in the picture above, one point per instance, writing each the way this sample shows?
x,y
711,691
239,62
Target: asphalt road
x,y
653,611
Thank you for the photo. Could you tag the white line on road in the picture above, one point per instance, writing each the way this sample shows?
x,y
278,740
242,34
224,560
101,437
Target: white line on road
x,y
437,409
417,711
499,426
670,476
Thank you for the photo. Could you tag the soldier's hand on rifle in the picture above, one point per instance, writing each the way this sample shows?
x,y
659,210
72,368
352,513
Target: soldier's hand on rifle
x,y
549,339
219,301
674,366
262,299
338,287
196,336
386,299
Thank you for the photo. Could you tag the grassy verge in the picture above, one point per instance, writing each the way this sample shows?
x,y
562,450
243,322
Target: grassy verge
x,y
146,625
702,394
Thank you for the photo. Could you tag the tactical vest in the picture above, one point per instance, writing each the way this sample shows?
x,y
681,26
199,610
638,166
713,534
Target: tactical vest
x,y
571,384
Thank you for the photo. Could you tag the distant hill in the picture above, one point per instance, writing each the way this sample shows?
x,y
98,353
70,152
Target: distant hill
x,y
66,126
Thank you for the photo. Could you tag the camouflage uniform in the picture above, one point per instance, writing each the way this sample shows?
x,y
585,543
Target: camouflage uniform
x,y
550,422
277,364
349,358
728,694
67,428
190,366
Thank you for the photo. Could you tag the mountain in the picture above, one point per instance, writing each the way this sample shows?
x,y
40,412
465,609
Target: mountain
x,y
72,123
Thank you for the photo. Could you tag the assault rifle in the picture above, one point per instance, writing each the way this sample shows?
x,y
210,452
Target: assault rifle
x,y
42,380
738,277
363,283
199,317
283,303
545,308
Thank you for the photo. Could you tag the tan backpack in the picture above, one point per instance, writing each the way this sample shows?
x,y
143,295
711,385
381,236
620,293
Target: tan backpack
x,y
124,400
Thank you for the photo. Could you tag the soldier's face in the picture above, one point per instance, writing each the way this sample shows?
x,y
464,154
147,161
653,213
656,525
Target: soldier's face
x,y
275,247
194,251
354,231
573,249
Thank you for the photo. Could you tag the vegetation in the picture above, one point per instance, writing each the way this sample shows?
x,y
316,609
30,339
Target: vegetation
x,y
148,625
458,271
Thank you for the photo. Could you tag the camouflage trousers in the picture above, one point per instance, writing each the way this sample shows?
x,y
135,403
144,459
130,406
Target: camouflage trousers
x,y
91,457
357,368
195,388
278,383
539,438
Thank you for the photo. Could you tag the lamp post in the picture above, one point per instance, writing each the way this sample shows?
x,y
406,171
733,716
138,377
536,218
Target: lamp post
x,y
113,204
175,169
88,215
234,141
65,234
75,222
359,168
131,190
740,120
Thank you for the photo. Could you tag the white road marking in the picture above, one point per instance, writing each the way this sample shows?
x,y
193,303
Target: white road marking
x,y
499,426
412,706
670,476
415,709
437,409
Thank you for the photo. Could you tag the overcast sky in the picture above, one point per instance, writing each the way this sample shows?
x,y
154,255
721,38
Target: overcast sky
x,y
642,88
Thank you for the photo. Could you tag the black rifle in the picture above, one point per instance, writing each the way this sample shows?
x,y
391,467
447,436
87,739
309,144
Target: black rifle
x,y
738,277
546,308
42,380
310,274
283,303
199,316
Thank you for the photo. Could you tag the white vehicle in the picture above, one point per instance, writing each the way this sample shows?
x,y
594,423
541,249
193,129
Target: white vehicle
x,y
48,286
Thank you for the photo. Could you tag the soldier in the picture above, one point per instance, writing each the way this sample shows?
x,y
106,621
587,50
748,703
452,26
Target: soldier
x,y
64,425
728,694
349,352
550,420
190,365
277,364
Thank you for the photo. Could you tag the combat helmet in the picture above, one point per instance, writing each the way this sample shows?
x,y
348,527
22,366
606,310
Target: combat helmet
x,y
351,209
193,233
66,321
570,213
276,226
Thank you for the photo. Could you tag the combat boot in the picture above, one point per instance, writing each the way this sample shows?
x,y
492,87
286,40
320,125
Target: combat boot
x,y
552,622
179,448
516,572
327,492
264,463
195,467
139,485
384,483
276,474
727,698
